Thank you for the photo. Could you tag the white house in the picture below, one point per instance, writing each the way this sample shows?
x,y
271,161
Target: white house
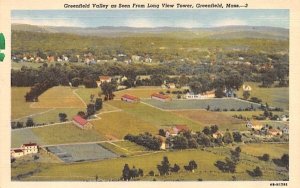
x,y
246,87
30,148
16,153
191,95
285,130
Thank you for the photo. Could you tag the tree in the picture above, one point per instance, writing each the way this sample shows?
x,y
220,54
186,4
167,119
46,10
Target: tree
x,y
140,172
126,173
162,132
206,130
246,95
237,137
62,117
219,93
227,138
176,168
108,89
30,122
82,114
265,157
180,142
285,160
98,104
164,168
90,110
133,172
75,81
192,143
257,172
214,129
193,165
203,139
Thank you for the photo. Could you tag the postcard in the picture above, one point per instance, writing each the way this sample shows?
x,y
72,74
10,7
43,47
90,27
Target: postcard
x,y
150,93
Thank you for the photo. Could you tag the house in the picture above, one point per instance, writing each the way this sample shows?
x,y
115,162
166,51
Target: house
x,y
191,95
208,94
217,134
173,131
29,148
130,98
284,118
274,132
16,153
246,87
161,97
254,125
171,86
103,79
82,123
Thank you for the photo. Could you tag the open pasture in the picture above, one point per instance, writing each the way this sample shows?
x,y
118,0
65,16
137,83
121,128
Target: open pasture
x,y
59,97
216,103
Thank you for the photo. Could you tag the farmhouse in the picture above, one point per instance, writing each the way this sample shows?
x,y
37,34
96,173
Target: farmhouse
x,y
176,130
25,149
161,97
254,125
191,95
16,153
274,132
130,98
247,88
103,79
29,148
82,123
217,134
209,94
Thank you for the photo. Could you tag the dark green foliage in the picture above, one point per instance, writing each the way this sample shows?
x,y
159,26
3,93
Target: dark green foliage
x,y
90,110
30,122
62,117
146,140
237,137
98,104
164,167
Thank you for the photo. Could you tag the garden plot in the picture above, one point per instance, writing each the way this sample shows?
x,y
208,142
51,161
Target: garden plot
x,y
81,152
222,104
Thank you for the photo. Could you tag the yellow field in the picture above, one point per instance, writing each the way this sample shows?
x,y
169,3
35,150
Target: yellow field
x,y
274,150
59,97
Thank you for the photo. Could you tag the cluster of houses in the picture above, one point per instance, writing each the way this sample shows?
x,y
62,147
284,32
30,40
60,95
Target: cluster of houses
x,y
260,129
25,149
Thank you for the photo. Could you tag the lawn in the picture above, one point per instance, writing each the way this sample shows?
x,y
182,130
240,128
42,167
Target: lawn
x,y
155,116
125,148
59,97
22,136
112,169
20,108
212,118
278,97
224,103
274,150
65,133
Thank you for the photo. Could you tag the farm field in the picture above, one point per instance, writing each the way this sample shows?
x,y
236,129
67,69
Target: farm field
x,y
19,137
81,152
208,118
111,169
55,134
59,97
20,108
278,97
143,92
274,150
124,148
227,103
155,116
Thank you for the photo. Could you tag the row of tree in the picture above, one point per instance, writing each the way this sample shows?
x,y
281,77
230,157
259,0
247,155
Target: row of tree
x,y
147,140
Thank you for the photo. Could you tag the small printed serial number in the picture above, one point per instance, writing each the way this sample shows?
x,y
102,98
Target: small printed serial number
x,y
278,184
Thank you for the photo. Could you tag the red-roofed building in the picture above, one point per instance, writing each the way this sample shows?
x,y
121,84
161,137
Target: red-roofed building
x,y
82,123
103,79
16,153
130,98
176,130
161,97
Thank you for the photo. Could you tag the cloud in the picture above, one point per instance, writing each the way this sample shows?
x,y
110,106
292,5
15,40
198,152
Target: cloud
x,y
228,22
48,22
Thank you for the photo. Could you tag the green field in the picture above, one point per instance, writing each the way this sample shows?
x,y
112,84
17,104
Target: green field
x,y
125,148
143,91
278,97
55,134
224,103
112,169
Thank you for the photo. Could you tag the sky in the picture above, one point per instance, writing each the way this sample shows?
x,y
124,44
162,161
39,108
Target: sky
x,y
153,18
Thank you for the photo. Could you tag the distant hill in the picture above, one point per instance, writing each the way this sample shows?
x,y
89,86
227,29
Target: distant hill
x,y
226,32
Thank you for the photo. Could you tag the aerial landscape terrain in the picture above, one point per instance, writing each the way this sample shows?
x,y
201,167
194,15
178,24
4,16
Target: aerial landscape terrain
x,y
149,104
